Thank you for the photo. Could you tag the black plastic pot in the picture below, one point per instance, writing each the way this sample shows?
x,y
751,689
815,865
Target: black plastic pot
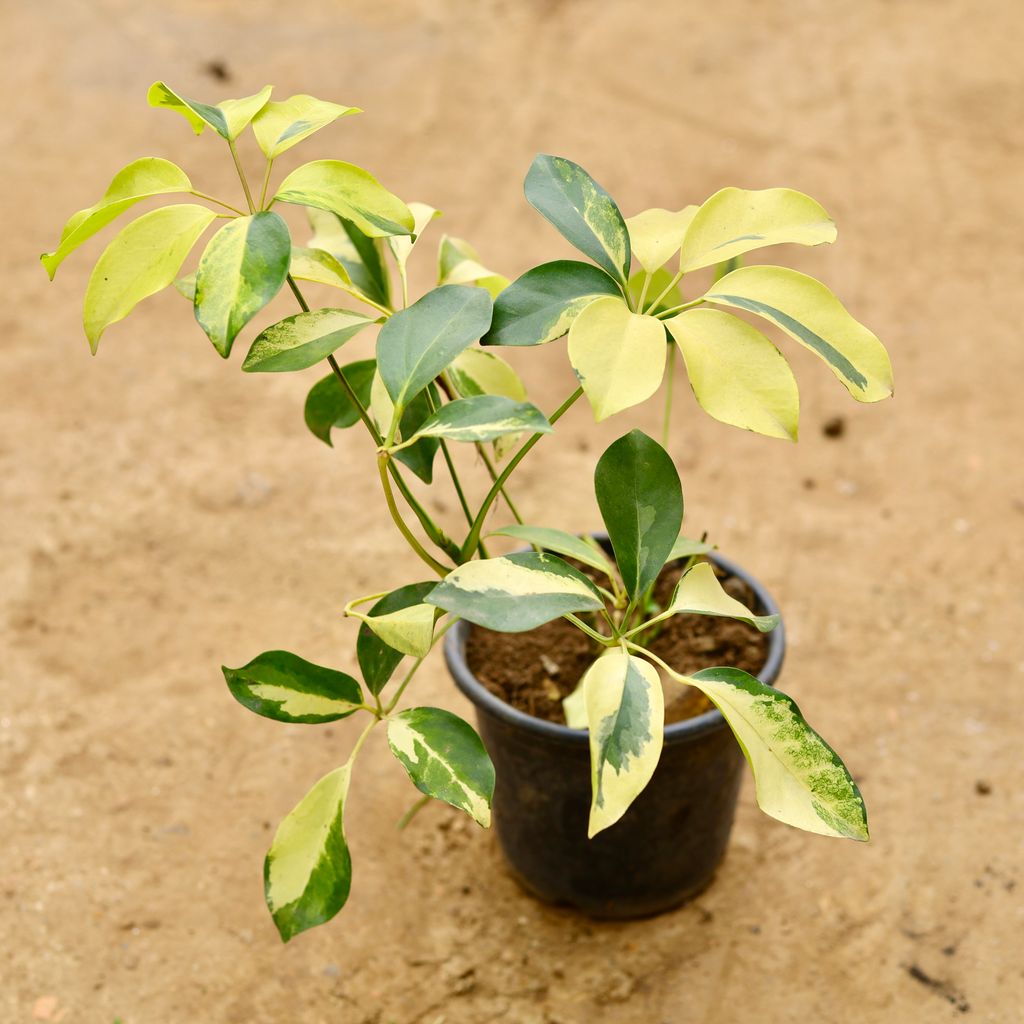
x,y
666,847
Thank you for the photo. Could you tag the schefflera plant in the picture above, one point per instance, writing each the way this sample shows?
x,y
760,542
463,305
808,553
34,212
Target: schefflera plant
x,y
430,386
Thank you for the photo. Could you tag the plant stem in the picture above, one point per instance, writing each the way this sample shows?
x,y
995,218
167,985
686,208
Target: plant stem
x,y
605,641
494,476
643,292
219,202
266,181
410,537
241,177
413,811
666,313
675,280
416,664
362,739
469,545
670,377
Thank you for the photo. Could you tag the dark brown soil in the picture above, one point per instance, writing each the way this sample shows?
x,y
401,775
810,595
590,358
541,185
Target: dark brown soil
x,y
534,671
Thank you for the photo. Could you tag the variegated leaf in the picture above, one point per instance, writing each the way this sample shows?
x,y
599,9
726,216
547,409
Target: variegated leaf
x,y
736,220
807,311
582,211
483,418
308,871
303,340
445,759
737,375
459,263
360,255
409,630
560,542
699,592
684,547
799,778
542,304
143,258
227,118
401,246
280,125
476,372
378,660
516,592
626,718
618,355
140,180
288,688
656,235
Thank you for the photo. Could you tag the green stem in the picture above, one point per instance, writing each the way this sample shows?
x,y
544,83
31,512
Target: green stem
x,y
675,280
416,664
605,641
469,545
219,202
493,473
643,292
670,377
410,537
241,177
404,820
665,313
362,739
266,182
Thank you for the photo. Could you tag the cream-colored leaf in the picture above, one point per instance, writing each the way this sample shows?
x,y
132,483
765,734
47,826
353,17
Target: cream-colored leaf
x,y
279,126
700,592
736,373
618,355
736,220
409,630
656,235
402,245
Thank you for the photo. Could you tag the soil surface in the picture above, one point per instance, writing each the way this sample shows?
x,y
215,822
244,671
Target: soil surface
x,y
164,514
536,671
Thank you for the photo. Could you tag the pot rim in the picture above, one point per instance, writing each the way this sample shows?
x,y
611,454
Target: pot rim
x,y
689,728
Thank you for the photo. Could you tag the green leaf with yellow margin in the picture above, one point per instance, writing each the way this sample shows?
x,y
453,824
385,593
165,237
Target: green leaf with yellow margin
x,y
227,118
737,375
699,592
445,759
242,269
516,592
419,457
141,179
280,125
143,258
307,874
542,304
808,311
582,211
287,688
303,340
641,502
360,255
409,630
618,355
655,236
798,777
476,372
626,719
735,220
483,418
559,541
351,193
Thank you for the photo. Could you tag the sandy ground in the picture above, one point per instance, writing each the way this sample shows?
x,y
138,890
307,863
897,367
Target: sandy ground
x,y
163,513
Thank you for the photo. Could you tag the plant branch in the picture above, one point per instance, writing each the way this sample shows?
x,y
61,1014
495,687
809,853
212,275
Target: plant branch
x,y
493,473
219,202
666,313
266,181
666,424
605,641
241,177
410,537
675,280
643,292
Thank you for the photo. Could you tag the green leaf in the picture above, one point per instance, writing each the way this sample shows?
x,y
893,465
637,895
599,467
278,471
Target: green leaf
x,y
141,179
459,263
287,688
419,457
409,630
228,118
807,311
476,372
560,542
542,304
308,871
484,418
582,211
241,270
328,406
736,373
445,759
351,193
656,235
279,126
799,778
660,280
516,592
401,246
377,660
684,547
618,355
699,592
641,502
736,220
360,255
302,340
416,344
626,719
144,257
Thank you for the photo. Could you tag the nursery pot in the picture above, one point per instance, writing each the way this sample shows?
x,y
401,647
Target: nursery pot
x,y
666,847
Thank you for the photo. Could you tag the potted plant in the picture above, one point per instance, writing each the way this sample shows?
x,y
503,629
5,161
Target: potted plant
x,y
582,813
